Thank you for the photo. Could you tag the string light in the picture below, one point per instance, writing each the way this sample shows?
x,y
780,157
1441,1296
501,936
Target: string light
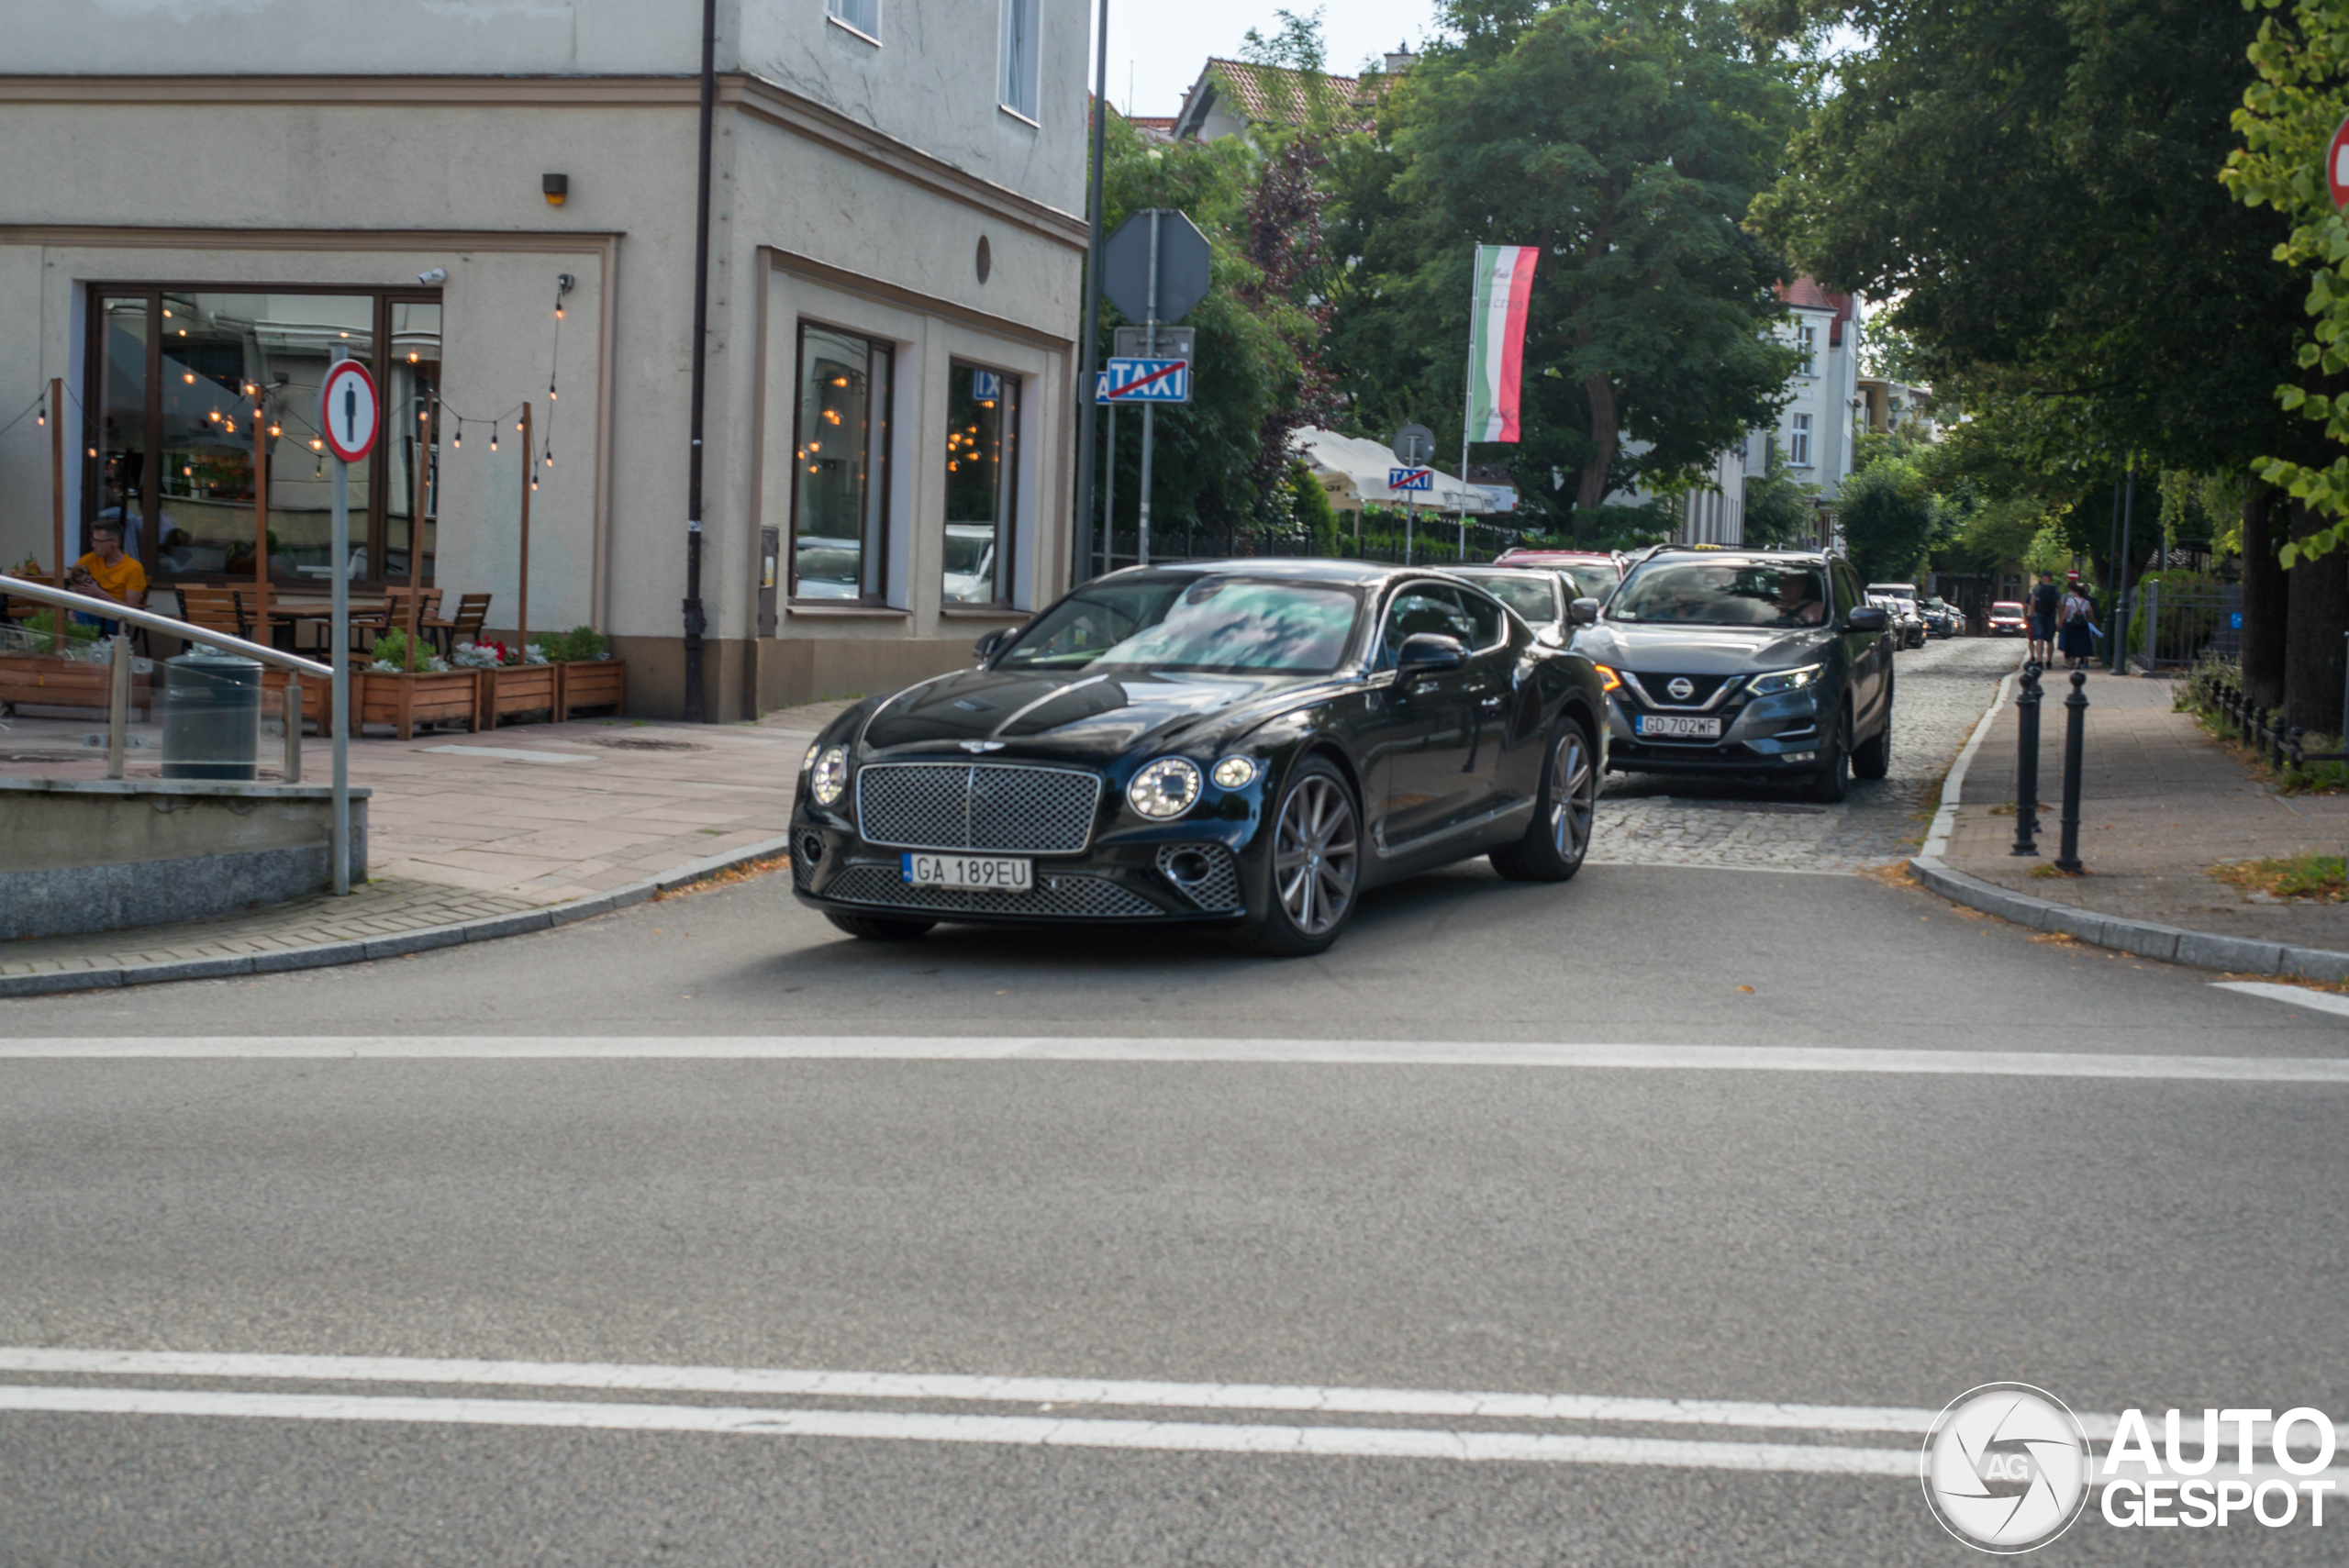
x,y
459,442
40,419
493,435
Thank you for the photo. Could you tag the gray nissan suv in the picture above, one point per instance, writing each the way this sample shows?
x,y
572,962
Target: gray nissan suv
x,y
1723,661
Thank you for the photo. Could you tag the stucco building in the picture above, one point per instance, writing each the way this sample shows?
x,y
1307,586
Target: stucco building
x,y
207,200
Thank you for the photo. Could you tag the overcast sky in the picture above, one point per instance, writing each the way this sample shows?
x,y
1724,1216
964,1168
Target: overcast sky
x,y
1159,46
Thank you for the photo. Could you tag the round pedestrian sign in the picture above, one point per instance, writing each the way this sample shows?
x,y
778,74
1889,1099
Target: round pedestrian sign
x,y
2336,166
347,411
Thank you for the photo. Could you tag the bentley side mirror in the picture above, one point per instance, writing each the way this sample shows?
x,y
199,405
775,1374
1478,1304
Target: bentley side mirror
x,y
1867,617
1427,652
1583,612
991,644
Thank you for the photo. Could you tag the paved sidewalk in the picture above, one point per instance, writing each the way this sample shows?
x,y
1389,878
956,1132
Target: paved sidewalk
x,y
468,836
2161,803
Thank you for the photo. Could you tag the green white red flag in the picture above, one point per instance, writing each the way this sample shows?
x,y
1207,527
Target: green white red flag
x,y
1497,339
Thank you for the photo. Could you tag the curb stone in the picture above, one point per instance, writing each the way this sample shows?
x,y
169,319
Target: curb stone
x,y
2172,944
322,955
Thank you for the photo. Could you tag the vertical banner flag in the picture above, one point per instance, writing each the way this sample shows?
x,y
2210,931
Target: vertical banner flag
x,y
1497,339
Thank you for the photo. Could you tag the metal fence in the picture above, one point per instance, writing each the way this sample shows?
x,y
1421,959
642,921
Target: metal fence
x,y
2172,625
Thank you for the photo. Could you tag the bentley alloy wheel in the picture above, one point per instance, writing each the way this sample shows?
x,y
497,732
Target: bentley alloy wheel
x,y
1316,864
1573,796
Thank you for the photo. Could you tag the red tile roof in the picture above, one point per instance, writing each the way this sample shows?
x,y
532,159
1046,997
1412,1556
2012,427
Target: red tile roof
x,y
1806,294
1273,95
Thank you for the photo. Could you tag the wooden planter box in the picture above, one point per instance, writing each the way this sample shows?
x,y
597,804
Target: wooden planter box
x,y
518,688
317,695
48,681
405,701
591,683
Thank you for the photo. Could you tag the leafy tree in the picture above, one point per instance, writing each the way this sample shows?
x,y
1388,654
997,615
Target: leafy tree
x,y
1888,516
1294,45
1624,142
1778,507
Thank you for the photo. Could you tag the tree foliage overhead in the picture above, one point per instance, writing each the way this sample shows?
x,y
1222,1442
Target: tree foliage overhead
x,y
2286,122
2035,181
1624,140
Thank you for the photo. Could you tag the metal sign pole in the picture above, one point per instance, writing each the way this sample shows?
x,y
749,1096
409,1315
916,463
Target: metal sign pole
x,y
340,624
1109,498
1410,515
1149,420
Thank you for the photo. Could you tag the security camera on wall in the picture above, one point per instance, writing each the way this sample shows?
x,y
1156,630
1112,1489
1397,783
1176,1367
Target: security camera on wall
x,y
436,275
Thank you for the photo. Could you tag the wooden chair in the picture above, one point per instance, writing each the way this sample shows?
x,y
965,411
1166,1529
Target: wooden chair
x,y
392,617
212,607
472,612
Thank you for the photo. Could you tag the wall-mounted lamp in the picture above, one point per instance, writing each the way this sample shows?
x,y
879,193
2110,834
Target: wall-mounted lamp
x,y
557,187
433,277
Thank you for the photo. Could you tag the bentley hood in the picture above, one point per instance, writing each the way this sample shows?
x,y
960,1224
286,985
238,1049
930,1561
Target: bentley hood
x,y
1076,716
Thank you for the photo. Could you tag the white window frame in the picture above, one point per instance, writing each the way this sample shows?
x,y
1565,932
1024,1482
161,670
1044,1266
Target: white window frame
x,y
835,11
1798,442
1019,57
1806,340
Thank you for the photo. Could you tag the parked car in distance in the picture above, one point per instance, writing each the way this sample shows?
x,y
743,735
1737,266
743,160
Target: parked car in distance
x,y
1766,662
2006,619
1247,744
1595,573
1942,618
1908,626
1542,597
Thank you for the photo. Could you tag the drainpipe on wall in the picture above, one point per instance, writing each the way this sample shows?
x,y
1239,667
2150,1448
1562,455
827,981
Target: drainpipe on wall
x,y
1081,532
695,622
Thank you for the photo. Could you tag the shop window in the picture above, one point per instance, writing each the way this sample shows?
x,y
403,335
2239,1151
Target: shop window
x,y
982,485
182,384
1017,72
840,457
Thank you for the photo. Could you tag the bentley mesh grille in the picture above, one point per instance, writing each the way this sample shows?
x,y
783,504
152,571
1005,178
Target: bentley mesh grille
x,y
989,807
1057,894
1217,892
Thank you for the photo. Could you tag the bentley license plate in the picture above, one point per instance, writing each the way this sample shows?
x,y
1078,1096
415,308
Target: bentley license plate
x,y
978,872
1680,725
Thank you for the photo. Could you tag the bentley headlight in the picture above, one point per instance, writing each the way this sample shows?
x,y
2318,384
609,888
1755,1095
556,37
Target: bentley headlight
x,y
1234,773
831,775
1779,681
1164,789
807,762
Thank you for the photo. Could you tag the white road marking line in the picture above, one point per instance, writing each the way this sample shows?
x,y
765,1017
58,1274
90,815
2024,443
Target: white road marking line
x,y
1367,1442
2297,996
1081,1048
509,754
976,1389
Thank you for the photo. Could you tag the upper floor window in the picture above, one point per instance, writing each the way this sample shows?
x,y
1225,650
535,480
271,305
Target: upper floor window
x,y
1807,340
859,15
1015,86
1798,442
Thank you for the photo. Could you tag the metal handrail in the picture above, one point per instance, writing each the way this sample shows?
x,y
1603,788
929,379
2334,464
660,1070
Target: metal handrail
x,y
108,609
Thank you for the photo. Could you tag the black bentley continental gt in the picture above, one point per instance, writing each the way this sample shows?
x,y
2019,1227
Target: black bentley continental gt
x,y
1248,743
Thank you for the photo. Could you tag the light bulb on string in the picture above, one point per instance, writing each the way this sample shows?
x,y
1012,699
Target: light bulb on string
x,y
493,435
459,442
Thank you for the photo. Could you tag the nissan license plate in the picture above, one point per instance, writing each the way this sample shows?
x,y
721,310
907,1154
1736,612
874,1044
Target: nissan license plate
x,y
1679,727
979,874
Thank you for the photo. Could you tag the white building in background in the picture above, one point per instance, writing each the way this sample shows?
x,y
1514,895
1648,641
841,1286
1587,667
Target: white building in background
x,y
1817,430
209,196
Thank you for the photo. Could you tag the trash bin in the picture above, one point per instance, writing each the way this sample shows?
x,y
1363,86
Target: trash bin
x,y
211,717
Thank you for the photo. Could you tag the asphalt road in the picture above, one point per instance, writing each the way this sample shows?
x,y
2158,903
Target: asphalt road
x,y
1874,1241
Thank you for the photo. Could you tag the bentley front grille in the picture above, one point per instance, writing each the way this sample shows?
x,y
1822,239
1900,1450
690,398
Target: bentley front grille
x,y
1057,894
1011,808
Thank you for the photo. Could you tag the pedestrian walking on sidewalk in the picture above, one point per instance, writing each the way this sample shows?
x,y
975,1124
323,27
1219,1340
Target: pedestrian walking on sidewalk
x,y
2044,601
2079,632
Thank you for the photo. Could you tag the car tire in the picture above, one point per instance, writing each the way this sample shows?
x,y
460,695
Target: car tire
x,y
1834,779
1873,758
1559,836
875,929
1313,881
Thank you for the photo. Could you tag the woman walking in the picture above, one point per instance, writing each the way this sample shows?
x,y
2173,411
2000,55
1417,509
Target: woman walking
x,y
2079,633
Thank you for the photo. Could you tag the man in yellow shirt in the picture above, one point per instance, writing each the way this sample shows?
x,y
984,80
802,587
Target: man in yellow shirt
x,y
107,570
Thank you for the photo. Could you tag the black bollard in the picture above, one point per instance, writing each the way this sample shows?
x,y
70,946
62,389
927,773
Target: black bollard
x,y
2076,728
2027,763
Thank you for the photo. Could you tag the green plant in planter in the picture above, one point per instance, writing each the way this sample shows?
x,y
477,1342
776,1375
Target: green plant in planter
x,y
42,627
579,644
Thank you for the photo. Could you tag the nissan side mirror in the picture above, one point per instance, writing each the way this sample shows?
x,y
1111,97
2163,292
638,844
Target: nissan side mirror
x,y
1867,617
1428,652
990,645
1583,612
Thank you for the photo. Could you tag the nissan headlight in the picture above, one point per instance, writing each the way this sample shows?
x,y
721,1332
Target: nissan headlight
x,y
1234,773
1166,788
1779,681
831,776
